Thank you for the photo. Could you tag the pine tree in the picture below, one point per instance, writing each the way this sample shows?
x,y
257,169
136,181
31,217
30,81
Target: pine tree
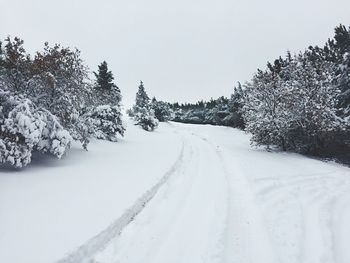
x,y
142,111
104,77
106,92
235,109
142,99
104,119
161,110
343,81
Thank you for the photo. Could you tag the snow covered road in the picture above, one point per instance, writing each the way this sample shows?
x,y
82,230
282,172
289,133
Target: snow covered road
x,y
185,222
202,194
230,203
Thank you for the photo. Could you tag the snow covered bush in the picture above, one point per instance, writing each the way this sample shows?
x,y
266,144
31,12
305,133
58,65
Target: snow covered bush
x,y
162,110
24,129
54,138
145,119
105,122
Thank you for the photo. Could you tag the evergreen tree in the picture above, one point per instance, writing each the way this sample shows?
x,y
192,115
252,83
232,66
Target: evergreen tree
x,y
161,110
343,81
216,111
106,91
235,109
142,99
142,111
104,77
341,47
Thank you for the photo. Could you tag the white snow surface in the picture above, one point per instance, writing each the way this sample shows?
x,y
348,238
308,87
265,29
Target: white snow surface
x,y
184,193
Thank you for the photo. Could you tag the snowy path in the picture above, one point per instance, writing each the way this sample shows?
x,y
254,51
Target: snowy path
x,y
90,248
204,213
185,220
230,203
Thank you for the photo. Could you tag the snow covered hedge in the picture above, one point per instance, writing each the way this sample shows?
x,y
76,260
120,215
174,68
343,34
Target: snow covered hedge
x,y
25,128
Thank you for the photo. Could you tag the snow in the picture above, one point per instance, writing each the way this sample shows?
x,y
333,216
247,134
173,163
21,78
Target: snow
x,y
184,193
53,206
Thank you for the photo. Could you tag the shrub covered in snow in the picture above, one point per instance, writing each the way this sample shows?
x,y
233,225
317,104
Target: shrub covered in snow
x,y
162,110
24,128
106,122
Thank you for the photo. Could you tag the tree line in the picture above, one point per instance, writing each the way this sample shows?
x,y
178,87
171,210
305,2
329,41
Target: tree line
x,y
299,102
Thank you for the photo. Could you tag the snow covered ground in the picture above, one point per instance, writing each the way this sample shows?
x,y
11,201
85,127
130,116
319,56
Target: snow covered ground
x,y
184,193
53,206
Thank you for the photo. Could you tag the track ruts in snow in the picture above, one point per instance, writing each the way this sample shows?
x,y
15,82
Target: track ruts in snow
x,y
86,251
245,239
185,221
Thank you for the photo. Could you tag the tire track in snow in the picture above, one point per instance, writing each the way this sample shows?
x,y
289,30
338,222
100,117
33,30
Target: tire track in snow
x,y
185,221
245,237
85,252
306,204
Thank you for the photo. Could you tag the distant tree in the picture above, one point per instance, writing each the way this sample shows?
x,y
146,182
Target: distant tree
x,y
341,47
105,89
162,110
103,118
142,99
142,111
216,111
235,109
104,77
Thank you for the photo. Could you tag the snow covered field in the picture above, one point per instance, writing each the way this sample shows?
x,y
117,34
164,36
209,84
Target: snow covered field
x,y
184,193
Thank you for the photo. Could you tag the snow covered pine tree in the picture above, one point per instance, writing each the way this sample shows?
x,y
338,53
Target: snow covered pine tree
x,y
162,110
142,111
105,117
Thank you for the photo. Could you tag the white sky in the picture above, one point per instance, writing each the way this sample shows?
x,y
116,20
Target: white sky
x,y
183,50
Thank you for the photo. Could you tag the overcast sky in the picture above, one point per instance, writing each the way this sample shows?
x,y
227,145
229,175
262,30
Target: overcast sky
x,y
183,50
